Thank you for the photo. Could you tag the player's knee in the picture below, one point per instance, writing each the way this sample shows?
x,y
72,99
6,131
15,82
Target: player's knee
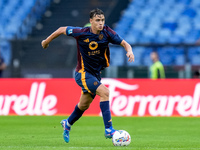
x,y
106,94
103,92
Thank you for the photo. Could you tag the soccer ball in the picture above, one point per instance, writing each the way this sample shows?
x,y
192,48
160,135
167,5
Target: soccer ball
x,y
121,138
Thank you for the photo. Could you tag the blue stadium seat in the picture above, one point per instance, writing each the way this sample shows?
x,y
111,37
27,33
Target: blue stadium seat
x,y
180,60
117,56
190,12
166,55
145,58
179,56
170,25
194,55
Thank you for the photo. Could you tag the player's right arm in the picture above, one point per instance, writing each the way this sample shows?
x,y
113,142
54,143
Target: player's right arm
x,y
55,34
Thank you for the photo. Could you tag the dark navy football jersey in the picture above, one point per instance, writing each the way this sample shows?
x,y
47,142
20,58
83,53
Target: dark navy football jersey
x,y
93,49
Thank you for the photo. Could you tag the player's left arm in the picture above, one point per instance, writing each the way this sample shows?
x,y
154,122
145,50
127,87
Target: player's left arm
x,y
129,51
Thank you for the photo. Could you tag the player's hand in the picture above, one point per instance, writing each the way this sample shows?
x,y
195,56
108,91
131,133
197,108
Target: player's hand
x,y
131,56
44,44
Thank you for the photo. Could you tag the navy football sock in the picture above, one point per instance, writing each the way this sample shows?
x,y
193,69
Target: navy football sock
x,y
76,114
105,109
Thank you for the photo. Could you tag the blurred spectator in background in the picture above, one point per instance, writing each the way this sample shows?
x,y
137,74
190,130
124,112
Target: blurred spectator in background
x,y
157,70
196,74
87,24
2,65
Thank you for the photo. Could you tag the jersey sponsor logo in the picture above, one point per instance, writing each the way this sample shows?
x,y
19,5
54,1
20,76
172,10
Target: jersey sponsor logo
x,y
93,45
86,40
100,36
94,52
70,31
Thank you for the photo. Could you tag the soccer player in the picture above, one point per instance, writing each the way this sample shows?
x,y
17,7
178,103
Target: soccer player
x,y
93,56
157,70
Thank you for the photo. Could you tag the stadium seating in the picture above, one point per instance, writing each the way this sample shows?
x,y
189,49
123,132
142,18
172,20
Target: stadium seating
x,y
17,17
162,22
143,22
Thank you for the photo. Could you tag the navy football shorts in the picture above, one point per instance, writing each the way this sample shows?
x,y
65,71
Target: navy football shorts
x,y
88,82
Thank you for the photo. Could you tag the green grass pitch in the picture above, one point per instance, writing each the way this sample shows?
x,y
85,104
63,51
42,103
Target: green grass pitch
x,y
148,133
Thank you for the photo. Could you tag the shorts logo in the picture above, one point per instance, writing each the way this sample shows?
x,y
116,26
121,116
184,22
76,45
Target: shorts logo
x,y
70,31
100,36
95,83
93,45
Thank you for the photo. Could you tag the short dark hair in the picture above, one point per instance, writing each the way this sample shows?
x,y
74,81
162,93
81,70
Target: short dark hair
x,y
95,12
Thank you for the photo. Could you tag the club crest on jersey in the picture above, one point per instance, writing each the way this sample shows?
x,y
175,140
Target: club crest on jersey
x,y
100,36
95,83
93,45
86,40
